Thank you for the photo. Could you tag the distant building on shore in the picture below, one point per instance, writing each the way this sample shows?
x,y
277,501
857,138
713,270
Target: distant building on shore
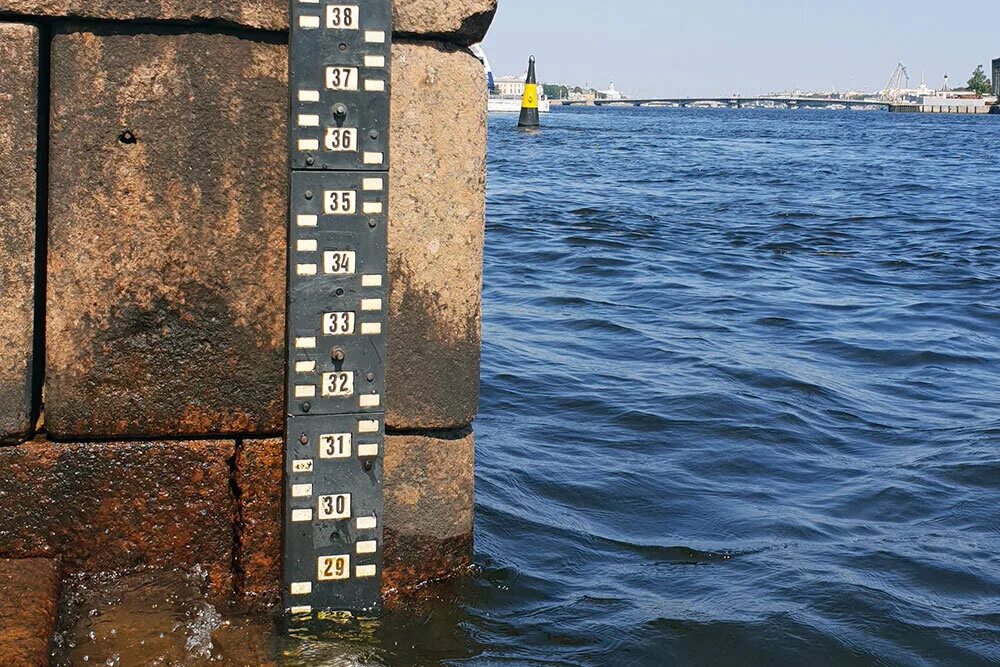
x,y
996,77
512,86
611,93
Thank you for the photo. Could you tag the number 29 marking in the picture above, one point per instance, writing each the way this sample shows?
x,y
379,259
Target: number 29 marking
x,y
332,568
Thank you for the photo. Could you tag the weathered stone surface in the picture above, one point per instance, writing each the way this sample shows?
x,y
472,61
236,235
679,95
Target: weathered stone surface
x,y
112,506
167,228
429,484
460,21
29,596
18,146
167,255
258,527
429,489
436,228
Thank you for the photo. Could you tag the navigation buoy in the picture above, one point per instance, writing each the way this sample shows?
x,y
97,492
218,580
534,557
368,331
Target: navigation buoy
x,y
529,102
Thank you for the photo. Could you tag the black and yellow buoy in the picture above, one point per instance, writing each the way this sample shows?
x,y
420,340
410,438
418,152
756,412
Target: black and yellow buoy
x,y
529,102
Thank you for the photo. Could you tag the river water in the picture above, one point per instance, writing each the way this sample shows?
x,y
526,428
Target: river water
x,y
741,390
740,406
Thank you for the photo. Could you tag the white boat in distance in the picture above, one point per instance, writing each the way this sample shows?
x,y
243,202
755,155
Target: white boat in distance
x,y
504,103
512,104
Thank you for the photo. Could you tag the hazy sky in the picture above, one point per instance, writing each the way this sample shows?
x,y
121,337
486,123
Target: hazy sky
x,y
721,47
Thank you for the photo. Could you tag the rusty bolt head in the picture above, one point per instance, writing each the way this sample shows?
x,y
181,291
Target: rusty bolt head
x,y
304,439
340,110
306,407
370,377
337,354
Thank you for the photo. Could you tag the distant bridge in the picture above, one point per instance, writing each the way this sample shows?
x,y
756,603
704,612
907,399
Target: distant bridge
x,y
736,102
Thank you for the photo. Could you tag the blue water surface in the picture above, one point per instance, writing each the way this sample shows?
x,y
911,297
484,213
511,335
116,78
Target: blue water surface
x,y
741,392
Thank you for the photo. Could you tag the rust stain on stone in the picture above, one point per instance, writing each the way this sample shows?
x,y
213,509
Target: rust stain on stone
x,y
114,506
29,595
258,478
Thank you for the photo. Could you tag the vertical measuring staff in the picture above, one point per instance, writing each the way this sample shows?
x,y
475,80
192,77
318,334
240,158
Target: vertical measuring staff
x,y
339,56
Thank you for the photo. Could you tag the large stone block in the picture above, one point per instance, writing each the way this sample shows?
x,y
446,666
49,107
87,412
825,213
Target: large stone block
x,y
167,243
429,487
459,21
113,506
258,526
436,228
29,596
167,226
18,148
429,504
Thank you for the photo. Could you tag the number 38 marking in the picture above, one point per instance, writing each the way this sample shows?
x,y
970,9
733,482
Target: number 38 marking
x,y
343,17
332,568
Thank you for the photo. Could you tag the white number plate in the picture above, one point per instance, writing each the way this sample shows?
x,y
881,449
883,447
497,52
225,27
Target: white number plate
x,y
342,17
340,202
335,446
338,384
332,568
340,262
335,507
338,324
341,139
342,78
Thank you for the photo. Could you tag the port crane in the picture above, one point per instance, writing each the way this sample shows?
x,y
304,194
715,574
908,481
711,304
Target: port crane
x,y
893,90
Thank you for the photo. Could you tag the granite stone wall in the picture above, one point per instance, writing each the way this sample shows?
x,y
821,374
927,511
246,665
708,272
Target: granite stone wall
x,y
143,203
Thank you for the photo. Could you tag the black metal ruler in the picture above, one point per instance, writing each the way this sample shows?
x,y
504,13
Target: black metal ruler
x,y
337,304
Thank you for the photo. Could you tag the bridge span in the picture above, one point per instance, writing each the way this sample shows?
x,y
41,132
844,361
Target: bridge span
x,y
736,102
